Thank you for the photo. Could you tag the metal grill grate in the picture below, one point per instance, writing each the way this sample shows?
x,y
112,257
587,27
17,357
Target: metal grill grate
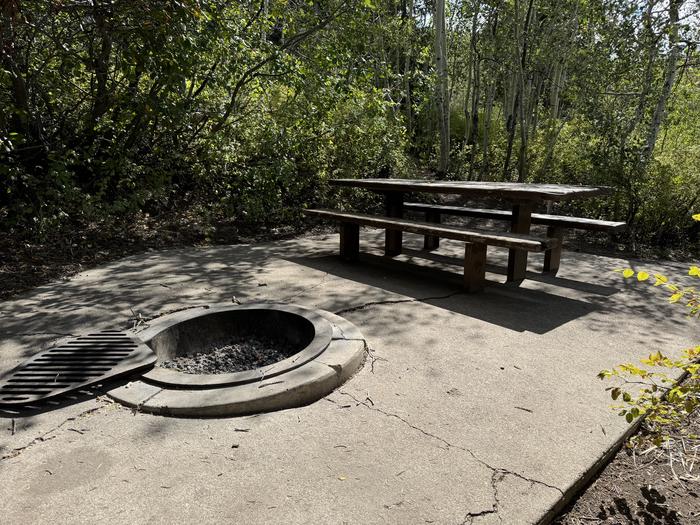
x,y
79,363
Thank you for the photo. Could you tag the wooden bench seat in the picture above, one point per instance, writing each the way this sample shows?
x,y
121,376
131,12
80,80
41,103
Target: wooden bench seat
x,y
476,240
556,225
561,221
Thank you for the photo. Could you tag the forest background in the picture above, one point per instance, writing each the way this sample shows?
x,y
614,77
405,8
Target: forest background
x,y
239,111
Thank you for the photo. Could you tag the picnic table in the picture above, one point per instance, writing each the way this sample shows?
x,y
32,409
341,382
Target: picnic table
x,y
523,198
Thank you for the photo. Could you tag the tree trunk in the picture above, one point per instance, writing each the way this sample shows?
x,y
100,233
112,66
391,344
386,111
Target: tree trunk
x,y
101,67
555,89
511,123
485,167
648,79
408,100
443,103
473,76
669,79
524,108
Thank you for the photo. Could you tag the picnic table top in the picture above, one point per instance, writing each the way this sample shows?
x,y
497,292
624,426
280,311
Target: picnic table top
x,y
507,190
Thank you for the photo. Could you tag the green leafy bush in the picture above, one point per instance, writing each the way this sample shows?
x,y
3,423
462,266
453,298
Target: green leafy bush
x,y
654,391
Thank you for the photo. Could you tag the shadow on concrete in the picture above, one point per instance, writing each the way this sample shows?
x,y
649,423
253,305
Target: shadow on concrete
x,y
581,286
159,282
508,306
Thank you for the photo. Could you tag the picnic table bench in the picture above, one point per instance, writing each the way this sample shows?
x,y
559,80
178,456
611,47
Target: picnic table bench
x,y
556,225
518,241
476,241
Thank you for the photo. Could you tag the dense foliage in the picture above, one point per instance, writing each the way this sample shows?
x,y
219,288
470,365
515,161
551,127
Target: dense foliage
x,y
109,108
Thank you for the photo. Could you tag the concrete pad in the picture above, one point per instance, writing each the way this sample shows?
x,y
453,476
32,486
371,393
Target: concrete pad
x,y
478,408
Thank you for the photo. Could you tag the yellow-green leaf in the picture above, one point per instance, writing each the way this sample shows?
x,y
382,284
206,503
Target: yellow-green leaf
x,y
642,276
694,270
660,279
675,297
696,217
627,273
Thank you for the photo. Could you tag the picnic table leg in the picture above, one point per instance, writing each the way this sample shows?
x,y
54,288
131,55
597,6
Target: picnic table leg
x,y
517,259
474,266
553,255
431,242
349,241
394,208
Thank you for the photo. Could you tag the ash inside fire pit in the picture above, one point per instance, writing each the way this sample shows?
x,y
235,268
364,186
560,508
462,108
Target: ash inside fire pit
x,y
235,354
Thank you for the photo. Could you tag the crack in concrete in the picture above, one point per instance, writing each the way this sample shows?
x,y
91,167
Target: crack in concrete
x,y
340,329
406,422
45,436
471,516
140,404
396,301
373,358
498,474
496,477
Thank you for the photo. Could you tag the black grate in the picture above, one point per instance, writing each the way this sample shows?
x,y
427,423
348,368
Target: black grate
x,y
79,363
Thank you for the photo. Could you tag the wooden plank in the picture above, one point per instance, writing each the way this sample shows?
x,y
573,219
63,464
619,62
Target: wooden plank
x,y
505,240
474,266
580,223
505,190
459,211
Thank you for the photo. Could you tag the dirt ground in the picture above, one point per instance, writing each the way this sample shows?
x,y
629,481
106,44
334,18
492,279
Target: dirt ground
x,y
26,264
650,486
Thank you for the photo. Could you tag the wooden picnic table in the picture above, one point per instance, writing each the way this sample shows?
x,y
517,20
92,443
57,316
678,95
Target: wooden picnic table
x,y
523,198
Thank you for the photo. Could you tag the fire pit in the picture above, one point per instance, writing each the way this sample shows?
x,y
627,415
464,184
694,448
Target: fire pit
x,y
237,359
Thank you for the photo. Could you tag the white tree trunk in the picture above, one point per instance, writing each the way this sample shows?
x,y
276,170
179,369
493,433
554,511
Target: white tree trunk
x,y
669,79
442,97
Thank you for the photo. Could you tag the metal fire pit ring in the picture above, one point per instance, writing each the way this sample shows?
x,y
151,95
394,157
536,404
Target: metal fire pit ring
x,y
334,353
167,331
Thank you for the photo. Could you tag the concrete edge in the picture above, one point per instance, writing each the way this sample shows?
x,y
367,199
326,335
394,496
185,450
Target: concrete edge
x,y
576,488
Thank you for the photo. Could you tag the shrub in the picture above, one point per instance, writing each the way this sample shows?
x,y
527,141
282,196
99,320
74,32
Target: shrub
x,y
670,388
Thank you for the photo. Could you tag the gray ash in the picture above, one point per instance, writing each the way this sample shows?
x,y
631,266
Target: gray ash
x,y
233,355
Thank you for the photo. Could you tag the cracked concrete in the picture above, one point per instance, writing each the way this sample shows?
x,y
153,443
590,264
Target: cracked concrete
x,y
471,408
498,474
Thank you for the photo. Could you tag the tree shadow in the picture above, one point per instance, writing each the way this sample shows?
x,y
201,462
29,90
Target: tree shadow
x,y
651,510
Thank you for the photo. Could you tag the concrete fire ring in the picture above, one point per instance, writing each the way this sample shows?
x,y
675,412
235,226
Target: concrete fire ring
x,y
334,353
